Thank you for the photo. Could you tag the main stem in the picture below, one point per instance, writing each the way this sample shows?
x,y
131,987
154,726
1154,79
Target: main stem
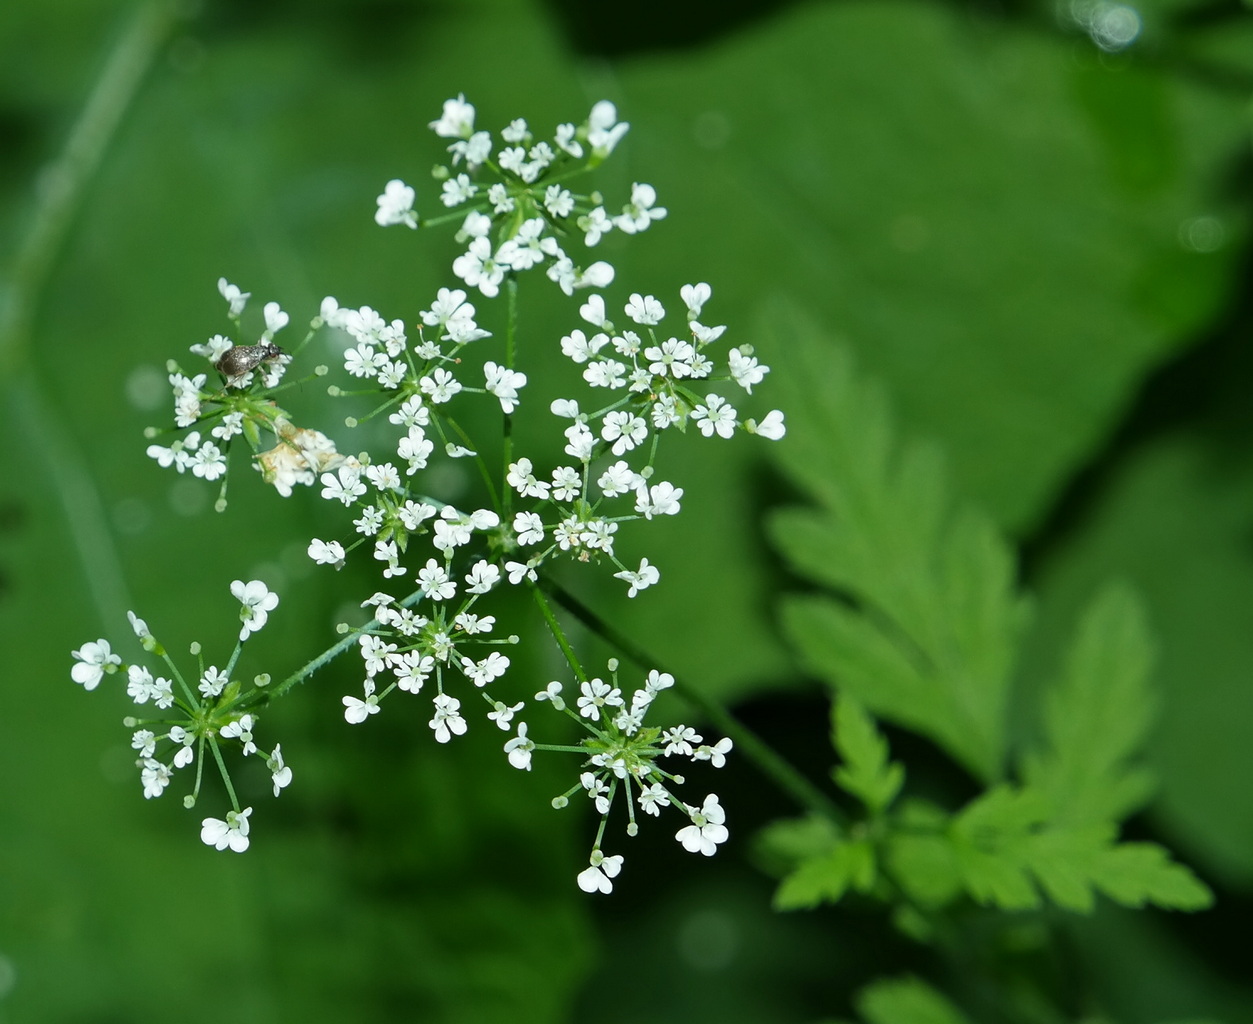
x,y
511,354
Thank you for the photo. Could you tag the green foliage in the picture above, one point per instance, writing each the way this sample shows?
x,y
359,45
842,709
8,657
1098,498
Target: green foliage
x,y
906,1001
865,772
923,628
985,204
929,634
1096,715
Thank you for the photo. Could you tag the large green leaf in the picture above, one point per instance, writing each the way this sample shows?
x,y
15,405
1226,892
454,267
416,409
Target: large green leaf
x,y
989,213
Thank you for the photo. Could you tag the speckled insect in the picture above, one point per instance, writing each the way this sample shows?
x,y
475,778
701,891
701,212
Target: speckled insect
x,y
239,360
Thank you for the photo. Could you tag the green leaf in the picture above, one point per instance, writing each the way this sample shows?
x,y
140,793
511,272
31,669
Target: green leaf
x,y
931,638
1173,518
988,212
1138,873
825,879
921,858
782,845
907,1001
818,862
1007,848
1096,716
866,773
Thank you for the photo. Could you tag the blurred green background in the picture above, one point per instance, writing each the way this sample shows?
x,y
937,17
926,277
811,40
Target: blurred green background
x,y
1033,230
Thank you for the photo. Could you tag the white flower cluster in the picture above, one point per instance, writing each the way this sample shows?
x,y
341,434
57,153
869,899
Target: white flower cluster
x,y
514,190
207,715
238,408
649,376
623,759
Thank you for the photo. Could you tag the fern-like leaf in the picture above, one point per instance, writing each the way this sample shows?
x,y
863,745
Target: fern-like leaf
x,y
928,634
1096,715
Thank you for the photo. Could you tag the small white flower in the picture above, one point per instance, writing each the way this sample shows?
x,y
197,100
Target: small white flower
x,y
566,140
257,601
458,190
213,682
279,772
504,384
619,479
241,729
579,347
657,681
582,442
598,876
654,798
155,777
483,672
597,694
645,309
715,416
707,829
594,224
529,528
518,571
233,832
370,522
771,426
558,201
604,130
521,477
412,672
275,319
482,577
236,299
327,552
208,463
140,686
435,582
679,740
144,741
641,579
552,693
502,714
478,268
640,211
745,370
346,487
624,430
94,660
447,721
357,711
716,754
519,749
457,121
395,205
597,789
439,386
694,297
661,499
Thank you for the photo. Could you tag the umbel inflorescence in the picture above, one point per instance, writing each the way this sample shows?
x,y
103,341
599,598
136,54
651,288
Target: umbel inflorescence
x,y
650,367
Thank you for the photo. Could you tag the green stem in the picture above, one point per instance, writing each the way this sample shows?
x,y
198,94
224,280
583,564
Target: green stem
x,y
511,352
226,776
68,177
559,634
258,698
67,180
771,764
